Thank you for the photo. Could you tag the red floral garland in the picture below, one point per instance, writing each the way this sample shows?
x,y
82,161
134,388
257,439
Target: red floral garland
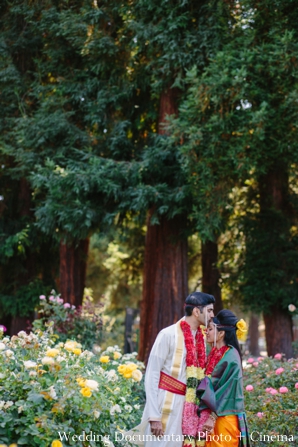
x,y
214,357
195,353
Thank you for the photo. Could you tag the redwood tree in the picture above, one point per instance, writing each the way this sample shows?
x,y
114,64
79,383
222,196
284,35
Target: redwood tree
x,y
239,128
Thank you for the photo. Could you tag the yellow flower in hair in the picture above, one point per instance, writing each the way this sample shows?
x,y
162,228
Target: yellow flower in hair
x,y
241,325
241,330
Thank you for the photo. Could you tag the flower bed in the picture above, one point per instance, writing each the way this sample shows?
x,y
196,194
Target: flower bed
x,y
47,388
271,396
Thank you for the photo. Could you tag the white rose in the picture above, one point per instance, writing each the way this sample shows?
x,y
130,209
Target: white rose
x,y
22,334
128,408
292,307
115,409
96,414
2,346
29,364
52,392
32,373
8,404
47,361
2,403
9,353
59,358
92,384
137,407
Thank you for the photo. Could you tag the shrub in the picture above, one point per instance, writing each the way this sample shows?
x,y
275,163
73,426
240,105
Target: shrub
x,y
271,406
66,321
47,388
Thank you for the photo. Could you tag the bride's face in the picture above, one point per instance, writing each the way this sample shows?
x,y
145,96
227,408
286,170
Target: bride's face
x,y
210,333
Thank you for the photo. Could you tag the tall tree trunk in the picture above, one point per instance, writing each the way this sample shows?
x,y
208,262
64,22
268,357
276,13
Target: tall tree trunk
x,y
211,274
28,270
165,280
273,188
254,335
165,270
73,264
278,330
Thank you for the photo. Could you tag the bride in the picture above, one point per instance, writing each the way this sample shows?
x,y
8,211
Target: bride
x,y
221,391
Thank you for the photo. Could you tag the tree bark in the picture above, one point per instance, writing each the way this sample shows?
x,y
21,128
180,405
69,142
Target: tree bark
x,y
273,187
278,330
165,280
254,335
165,269
73,263
211,274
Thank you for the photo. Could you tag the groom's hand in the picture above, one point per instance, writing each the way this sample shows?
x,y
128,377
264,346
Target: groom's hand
x,y
209,425
156,428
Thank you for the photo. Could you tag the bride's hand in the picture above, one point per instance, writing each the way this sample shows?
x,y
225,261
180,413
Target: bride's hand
x,y
209,425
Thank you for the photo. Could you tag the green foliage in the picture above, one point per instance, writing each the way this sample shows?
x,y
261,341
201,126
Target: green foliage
x,y
47,388
84,324
238,130
272,414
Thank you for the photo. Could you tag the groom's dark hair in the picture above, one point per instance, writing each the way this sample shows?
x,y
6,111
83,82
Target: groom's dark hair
x,y
197,299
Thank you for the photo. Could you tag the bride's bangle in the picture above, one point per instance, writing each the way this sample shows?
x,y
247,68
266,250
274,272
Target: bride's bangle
x,y
213,416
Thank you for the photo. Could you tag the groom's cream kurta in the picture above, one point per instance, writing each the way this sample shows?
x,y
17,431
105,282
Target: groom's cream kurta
x,y
168,355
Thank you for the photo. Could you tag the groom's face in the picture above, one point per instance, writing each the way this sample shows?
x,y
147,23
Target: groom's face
x,y
205,314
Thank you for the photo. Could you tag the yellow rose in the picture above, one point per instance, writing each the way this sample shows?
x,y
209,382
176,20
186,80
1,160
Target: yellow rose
x,y
241,325
86,392
77,351
127,375
56,443
71,345
52,352
81,381
117,355
241,335
241,332
104,359
137,375
13,445
121,369
132,366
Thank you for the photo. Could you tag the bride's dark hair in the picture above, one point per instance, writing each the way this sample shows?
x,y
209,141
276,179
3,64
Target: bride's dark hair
x,y
226,321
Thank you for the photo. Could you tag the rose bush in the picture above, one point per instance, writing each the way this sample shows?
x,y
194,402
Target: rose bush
x,y
271,397
66,321
47,387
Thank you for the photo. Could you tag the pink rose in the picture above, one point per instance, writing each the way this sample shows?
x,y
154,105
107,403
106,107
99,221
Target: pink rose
x,y
268,390
260,415
60,300
52,298
283,389
249,388
273,391
3,328
250,360
278,356
66,305
42,297
296,386
73,306
255,364
279,371
260,359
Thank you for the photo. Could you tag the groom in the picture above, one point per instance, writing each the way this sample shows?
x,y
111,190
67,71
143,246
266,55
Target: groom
x,y
165,380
